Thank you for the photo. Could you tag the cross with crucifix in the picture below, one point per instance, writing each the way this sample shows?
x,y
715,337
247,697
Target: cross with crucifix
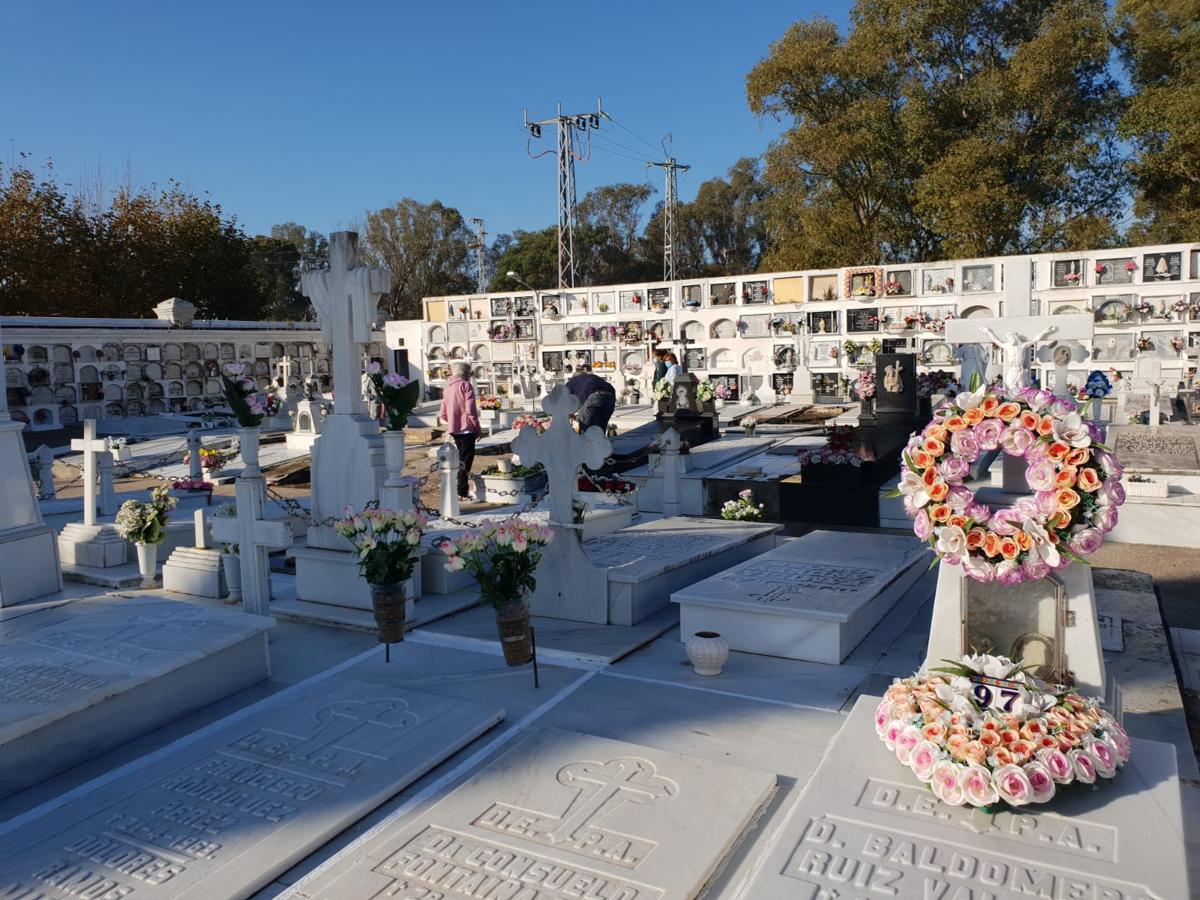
x,y
683,342
90,446
1062,354
562,451
345,298
255,535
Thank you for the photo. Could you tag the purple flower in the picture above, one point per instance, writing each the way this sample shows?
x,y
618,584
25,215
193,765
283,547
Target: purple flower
x,y
1062,406
977,511
979,569
959,497
373,368
1016,440
1040,475
1114,491
922,527
1087,541
1106,519
954,469
1035,568
963,444
987,433
1009,572
395,379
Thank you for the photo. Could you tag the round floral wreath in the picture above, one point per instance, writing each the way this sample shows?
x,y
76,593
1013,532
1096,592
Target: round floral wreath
x,y
1075,479
981,731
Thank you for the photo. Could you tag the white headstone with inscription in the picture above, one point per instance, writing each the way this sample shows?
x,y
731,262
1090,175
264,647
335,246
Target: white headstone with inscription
x,y
813,599
28,553
560,815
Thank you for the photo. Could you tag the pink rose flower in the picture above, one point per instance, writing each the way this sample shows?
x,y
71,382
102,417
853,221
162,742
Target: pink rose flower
x,y
978,511
922,526
883,714
979,569
947,783
978,786
1116,734
373,368
924,757
963,443
1016,440
987,433
1035,569
1103,757
1040,476
953,468
1083,766
1087,542
1012,784
891,733
1008,572
1106,519
1114,490
1057,764
908,738
1040,780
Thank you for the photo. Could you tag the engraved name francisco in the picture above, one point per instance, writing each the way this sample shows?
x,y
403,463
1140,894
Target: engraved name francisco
x,y
599,789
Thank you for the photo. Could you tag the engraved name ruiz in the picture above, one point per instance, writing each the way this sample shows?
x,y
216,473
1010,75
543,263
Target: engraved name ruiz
x,y
841,856
439,864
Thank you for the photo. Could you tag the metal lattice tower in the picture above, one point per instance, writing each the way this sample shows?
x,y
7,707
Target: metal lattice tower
x,y
569,150
669,167
479,245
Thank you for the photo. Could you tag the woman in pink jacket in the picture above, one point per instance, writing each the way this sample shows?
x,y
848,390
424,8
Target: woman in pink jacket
x,y
462,420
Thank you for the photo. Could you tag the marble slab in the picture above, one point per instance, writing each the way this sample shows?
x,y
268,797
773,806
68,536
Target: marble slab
x,y
865,827
221,817
560,816
812,599
1163,449
83,677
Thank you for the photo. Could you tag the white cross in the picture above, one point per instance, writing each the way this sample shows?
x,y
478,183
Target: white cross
x,y
345,298
670,445
202,529
1062,354
562,452
193,445
90,446
1147,375
255,536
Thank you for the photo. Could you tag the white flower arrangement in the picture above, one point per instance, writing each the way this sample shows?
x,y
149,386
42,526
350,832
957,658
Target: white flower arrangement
x,y
146,522
743,509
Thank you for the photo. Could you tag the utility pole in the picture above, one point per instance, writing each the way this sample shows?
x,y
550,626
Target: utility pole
x,y
479,245
569,144
669,167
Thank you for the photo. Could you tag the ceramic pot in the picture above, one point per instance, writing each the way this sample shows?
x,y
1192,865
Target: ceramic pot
x,y
389,602
512,622
393,457
248,441
708,651
147,557
231,563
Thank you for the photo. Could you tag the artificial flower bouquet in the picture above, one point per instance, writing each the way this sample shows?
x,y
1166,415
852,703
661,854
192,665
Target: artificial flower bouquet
x,y
743,509
489,402
145,522
398,393
249,406
1098,386
982,731
388,542
538,423
501,556
864,385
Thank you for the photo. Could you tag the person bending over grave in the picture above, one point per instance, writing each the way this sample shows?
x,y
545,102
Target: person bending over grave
x,y
461,416
597,398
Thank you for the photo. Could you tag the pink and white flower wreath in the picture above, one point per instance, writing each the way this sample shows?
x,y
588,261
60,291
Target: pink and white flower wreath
x,y
1075,479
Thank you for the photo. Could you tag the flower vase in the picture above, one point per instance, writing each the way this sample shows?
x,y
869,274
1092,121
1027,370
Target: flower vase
x,y
206,475
868,406
231,563
1097,402
388,602
708,652
393,457
512,622
147,559
248,441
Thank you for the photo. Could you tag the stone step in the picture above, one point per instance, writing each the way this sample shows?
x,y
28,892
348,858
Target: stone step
x,y
84,677
810,599
223,815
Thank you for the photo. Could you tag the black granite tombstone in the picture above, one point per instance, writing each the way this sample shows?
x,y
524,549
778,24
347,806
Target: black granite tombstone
x,y
696,420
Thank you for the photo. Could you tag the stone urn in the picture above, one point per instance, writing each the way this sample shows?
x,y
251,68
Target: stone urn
x,y
708,652
231,564
248,444
147,559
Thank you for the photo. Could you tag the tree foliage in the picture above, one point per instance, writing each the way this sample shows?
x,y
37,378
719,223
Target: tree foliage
x,y
973,128
1160,45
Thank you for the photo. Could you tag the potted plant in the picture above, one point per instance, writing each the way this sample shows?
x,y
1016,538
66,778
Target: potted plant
x,y
145,524
249,408
388,543
503,557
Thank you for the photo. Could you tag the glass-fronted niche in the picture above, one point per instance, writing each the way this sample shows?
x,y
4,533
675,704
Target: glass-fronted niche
x,y
863,319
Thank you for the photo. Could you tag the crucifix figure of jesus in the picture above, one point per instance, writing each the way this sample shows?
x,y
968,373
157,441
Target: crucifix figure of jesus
x,y
1016,354
345,298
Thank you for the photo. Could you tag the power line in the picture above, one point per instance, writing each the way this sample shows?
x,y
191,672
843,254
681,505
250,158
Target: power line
x,y
636,135
569,127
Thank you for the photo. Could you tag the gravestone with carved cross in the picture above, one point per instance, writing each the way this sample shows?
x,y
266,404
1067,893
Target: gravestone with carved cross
x,y
28,555
1061,354
255,536
196,570
348,460
91,543
568,586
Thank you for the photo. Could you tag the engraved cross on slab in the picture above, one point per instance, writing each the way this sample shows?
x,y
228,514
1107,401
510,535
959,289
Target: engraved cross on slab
x,y
562,452
345,299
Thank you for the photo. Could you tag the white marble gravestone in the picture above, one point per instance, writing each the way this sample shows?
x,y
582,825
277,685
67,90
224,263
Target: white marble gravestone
x,y
1061,354
865,827
348,465
196,570
814,598
90,543
226,815
28,552
83,677
256,536
560,816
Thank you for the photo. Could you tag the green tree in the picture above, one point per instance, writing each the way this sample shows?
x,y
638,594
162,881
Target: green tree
x,y
533,255
279,260
971,128
425,245
1160,45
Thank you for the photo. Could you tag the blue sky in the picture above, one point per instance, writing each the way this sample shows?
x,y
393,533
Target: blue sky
x,y
315,112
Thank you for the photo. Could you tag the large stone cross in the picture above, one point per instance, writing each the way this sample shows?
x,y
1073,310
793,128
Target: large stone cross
x,y
255,536
562,452
345,298
90,447
1062,354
